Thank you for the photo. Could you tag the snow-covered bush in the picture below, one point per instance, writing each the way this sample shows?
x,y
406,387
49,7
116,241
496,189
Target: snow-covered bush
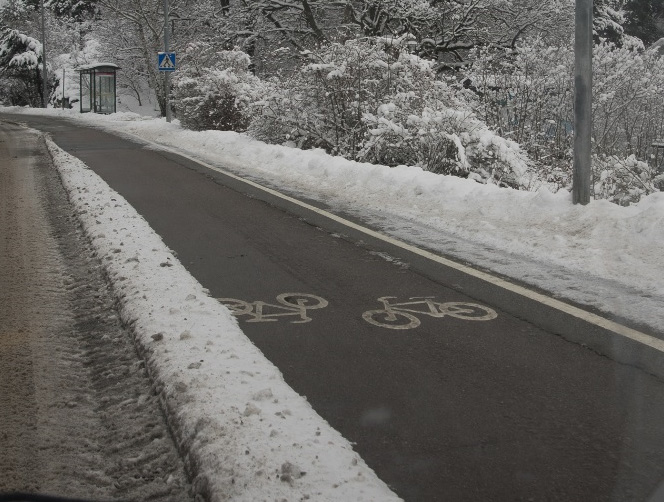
x,y
323,104
445,140
371,100
628,110
624,180
526,94
213,90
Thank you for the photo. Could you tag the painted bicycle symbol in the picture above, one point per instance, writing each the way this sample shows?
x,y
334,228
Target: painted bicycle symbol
x,y
289,304
401,315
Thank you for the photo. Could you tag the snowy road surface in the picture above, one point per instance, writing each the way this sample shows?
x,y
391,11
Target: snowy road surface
x,y
460,401
78,416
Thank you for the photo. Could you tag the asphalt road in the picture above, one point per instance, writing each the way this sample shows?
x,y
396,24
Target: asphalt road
x,y
451,408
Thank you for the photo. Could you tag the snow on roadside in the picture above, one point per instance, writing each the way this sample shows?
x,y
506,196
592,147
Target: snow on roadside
x,y
601,255
245,434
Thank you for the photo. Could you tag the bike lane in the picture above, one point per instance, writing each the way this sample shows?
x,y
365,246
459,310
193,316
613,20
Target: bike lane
x,y
471,403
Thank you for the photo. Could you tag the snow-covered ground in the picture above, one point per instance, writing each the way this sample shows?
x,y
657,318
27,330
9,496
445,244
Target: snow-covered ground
x,y
601,255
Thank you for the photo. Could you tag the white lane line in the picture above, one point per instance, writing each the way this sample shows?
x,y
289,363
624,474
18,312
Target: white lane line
x,y
588,317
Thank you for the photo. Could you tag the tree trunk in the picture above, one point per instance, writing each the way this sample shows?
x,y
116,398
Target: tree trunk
x,y
156,83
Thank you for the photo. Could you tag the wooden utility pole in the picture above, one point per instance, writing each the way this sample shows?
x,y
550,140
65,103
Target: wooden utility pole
x,y
583,99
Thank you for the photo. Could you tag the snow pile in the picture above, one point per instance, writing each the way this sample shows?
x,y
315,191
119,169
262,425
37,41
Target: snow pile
x,y
243,432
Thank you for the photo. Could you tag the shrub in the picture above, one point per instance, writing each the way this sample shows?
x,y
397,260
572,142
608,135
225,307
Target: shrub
x,y
370,100
527,95
624,180
323,104
213,90
443,140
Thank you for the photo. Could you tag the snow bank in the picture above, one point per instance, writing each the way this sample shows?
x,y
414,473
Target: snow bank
x,y
244,433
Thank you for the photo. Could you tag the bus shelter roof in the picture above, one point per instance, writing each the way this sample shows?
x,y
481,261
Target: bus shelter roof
x,y
96,66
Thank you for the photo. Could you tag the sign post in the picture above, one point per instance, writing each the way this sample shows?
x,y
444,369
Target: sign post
x,y
167,63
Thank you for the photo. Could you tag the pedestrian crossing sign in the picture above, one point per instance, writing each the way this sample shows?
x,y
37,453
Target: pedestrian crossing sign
x,y
166,61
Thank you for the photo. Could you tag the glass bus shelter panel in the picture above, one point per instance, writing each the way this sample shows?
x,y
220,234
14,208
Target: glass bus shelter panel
x,y
86,92
105,93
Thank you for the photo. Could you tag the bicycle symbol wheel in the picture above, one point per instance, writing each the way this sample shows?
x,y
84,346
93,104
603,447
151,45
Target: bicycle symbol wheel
x,y
392,320
237,307
302,300
467,311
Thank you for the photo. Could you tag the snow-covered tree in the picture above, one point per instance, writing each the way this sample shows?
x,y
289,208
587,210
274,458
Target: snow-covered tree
x,y
135,30
644,19
276,33
66,37
221,24
21,76
134,34
22,16
608,20
526,94
445,30
77,10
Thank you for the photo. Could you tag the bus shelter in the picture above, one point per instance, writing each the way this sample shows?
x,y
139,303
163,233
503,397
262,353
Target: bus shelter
x,y
98,87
